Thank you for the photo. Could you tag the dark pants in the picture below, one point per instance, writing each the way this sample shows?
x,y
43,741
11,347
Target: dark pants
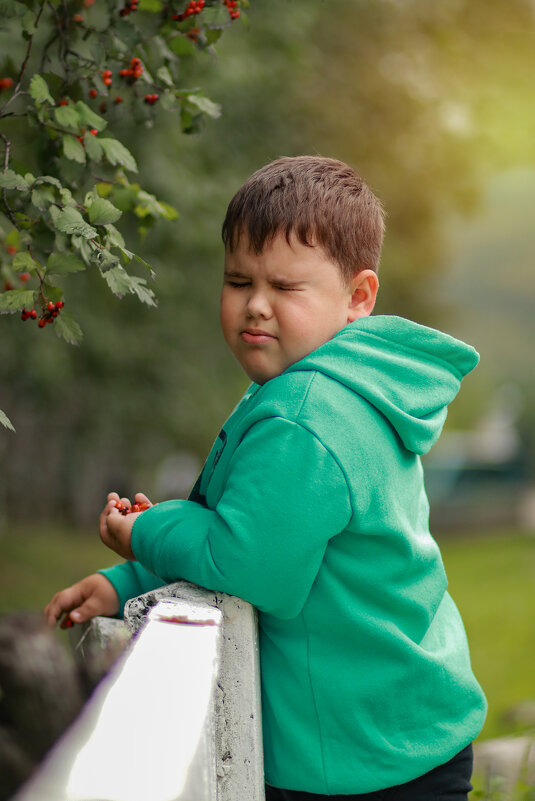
x,y
449,782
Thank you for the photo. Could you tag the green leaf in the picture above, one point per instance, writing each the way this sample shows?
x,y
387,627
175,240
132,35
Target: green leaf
x,y
170,213
11,8
118,281
28,23
39,89
115,237
88,117
104,190
117,153
73,149
70,221
212,35
48,179
206,105
16,299
23,262
107,260
102,212
67,328
215,16
66,197
93,148
61,263
67,117
5,421
10,180
145,294
182,46
165,76
42,198
52,292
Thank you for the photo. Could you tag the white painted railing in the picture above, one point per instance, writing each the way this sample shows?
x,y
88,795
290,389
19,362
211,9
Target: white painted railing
x,y
177,718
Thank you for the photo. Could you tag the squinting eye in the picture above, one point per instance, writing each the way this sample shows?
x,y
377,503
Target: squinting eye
x,y
235,284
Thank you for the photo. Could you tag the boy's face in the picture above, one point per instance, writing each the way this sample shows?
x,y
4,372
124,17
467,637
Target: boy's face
x,y
280,305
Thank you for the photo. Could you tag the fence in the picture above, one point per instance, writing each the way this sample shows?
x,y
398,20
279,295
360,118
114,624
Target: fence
x,y
177,718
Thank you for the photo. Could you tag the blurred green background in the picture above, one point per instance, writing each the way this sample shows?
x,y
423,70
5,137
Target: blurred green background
x,y
433,104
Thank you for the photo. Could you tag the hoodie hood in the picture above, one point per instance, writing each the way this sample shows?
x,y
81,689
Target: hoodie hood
x,y
409,372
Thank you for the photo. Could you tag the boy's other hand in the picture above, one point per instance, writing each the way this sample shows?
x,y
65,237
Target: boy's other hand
x,y
92,596
116,528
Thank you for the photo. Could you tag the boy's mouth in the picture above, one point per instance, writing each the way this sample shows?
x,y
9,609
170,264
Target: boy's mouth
x,y
256,336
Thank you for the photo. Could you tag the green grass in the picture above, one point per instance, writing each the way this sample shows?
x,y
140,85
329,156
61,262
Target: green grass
x,y
492,580
36,563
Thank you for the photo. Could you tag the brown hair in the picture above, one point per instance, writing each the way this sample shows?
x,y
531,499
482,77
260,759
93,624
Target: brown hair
x,y
322,201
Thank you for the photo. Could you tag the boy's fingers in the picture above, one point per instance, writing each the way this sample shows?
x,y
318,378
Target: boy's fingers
x,y
112,496
140,497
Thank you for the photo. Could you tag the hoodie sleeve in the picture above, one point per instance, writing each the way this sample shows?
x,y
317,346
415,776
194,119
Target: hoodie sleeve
x,y
284,498
130,579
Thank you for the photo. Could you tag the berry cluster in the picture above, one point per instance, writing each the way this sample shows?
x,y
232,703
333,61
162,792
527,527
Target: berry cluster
x,y
134,71
5,83
233,11
193,7
151,99
136,507
106,77
50,312
129,6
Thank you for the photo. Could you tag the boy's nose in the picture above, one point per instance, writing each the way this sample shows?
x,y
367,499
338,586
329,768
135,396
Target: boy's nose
x,y
258,305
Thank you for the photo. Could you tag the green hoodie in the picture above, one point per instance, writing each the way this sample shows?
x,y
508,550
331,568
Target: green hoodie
x,y
312,507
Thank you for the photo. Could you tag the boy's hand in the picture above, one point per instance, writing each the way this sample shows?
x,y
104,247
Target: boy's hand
x,y
92,596
115,528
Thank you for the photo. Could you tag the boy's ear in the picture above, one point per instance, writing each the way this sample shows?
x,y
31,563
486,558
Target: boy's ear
x,y
363,286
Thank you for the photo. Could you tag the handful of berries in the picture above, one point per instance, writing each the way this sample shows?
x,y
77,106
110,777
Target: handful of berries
x,y
136,507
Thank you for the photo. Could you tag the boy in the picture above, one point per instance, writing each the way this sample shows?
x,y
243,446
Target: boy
x,y
311,504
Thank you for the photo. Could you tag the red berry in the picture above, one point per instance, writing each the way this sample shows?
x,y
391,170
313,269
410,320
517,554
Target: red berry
x,y
42,322
63,102
102,107
24,314
119,505
8,286
50,306
33,314
135,508
118,99
6,83
93,93
11,249
68,623
23,277
60,304
78,18
93,131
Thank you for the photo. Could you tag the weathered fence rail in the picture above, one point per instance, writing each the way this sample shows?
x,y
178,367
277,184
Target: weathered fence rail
x,y
177,718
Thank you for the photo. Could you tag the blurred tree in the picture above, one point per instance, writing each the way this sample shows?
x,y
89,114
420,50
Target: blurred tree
x,y
411,93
